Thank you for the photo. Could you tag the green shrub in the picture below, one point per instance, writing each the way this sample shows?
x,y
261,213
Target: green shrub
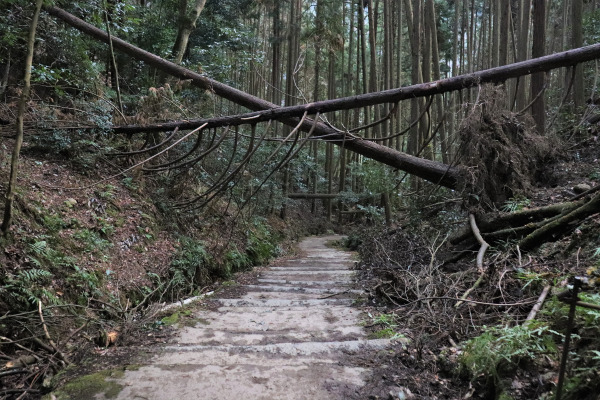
x,y
499,349
192,268
87,283
236,261
91,241
261,244
353,241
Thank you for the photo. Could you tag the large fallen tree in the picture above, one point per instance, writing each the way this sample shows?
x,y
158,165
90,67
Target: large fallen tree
x,y
433,171
536,228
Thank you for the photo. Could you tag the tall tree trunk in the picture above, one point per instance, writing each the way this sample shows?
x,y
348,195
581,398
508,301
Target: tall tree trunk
x,y
496,32
113,61
413,11
5,75
373,63
538,109
290,74
504,32
319,33
186,25
425,128
399,39
330,164
436,76
523,50
363,58
387,64
577,41
14,164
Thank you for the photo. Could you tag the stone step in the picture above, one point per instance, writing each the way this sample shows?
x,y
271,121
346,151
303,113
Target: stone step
x,y
307,276
290,349
300,289
328,266
305,271
211,337
243,319
283,302
306,283
297,295
263,379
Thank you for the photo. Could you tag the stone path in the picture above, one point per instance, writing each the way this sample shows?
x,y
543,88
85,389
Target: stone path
x,y
286,338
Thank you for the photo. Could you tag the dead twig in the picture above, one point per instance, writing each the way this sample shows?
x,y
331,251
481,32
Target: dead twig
x,y
480,254
538,303
53,346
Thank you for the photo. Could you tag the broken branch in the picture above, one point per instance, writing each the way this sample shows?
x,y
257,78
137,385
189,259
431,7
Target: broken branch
x,y
480,254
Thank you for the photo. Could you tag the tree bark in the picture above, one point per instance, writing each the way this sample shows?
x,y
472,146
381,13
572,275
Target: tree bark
x,y
275,88
577,41
538,109
14,164
430,5
187,24
413,19
523,50
491,223
5,75
376,132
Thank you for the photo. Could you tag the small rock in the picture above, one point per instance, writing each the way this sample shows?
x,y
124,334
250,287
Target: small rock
x,y
401,393
581,187
70,202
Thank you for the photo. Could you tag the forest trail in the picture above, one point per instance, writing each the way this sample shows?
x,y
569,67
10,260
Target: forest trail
x,y
290,335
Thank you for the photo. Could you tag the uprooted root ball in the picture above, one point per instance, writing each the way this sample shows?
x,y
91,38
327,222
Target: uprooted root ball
x,y
500,149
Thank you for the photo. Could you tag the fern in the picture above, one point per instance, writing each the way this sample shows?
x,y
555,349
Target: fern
x,y
27,288
39,247
31,276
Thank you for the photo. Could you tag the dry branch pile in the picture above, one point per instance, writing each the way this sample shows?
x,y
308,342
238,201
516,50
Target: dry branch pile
x,y
408,272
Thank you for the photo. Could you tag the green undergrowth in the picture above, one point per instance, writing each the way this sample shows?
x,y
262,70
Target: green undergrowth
x,y
499,353
499,350
194,267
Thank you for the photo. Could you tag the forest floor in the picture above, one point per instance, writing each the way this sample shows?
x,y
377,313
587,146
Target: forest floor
x,y
484,349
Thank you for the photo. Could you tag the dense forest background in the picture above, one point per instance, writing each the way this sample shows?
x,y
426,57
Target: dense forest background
x,y
134,187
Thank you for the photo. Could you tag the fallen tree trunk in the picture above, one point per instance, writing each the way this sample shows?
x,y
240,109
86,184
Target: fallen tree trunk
x,y
432,171
492,223
554,229
492,75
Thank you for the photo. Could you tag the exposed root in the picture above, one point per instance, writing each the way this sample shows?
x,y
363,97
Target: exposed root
x,y
499,149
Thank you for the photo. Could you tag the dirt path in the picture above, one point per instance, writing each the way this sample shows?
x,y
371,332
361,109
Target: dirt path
x,y
284,337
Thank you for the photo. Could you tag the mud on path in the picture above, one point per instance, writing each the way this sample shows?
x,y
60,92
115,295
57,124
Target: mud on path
x,y
290,334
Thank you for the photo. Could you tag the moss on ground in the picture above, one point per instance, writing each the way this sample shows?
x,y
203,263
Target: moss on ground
x,y
88,386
